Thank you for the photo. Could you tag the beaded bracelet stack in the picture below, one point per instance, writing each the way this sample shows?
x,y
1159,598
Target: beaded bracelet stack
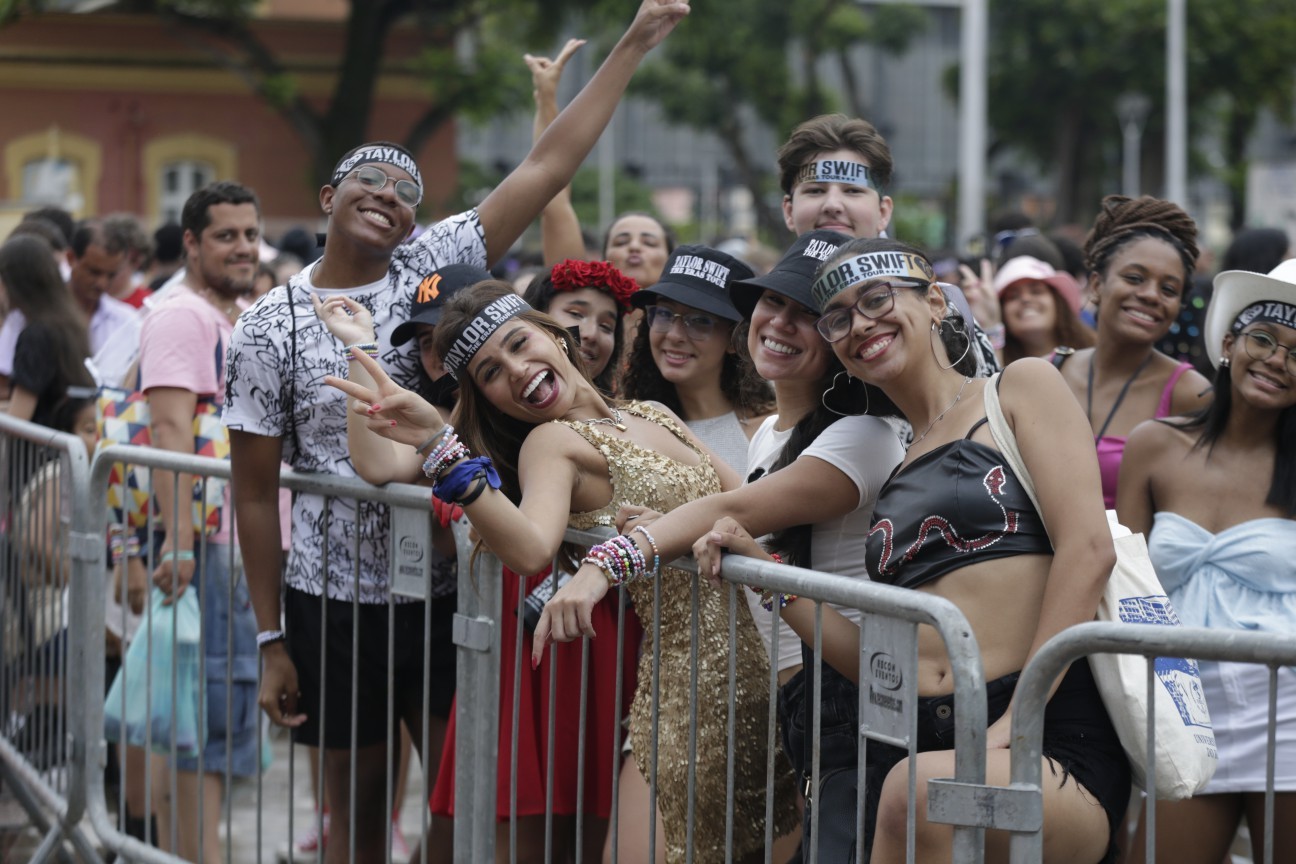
x,y
619,558
770,598
447,451
370,348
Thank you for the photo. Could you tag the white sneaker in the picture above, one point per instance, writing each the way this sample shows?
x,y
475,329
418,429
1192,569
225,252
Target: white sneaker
x,y
306,843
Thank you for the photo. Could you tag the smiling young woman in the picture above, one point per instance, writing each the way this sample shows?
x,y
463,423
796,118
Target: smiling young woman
x,y
1140,255
1041,570
1216,495
562,455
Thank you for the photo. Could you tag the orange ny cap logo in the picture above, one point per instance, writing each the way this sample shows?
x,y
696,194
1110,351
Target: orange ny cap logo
x,y
429,289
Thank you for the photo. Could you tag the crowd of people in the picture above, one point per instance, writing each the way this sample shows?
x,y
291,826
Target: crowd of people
x,y
828,412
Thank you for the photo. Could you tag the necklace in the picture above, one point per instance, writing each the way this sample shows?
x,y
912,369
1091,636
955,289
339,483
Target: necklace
x,y
615,420
1119,398
941,415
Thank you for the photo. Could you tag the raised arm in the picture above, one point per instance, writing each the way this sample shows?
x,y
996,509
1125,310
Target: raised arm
x,y
525,537
553,161
560,231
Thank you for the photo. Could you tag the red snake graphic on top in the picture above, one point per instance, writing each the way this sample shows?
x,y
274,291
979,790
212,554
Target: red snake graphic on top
x,y
966,506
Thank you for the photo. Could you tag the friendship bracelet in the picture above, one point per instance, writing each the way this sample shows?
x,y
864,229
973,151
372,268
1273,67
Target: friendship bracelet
x,y
266,637
656,565
443,455
768,599
619,558
441,433
370,348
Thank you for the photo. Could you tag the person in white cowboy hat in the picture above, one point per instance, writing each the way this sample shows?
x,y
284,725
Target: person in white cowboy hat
x,y
1216,494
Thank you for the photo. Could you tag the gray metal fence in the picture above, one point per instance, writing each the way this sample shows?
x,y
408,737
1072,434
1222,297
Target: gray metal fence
x,y
1150,641
45,635
54,761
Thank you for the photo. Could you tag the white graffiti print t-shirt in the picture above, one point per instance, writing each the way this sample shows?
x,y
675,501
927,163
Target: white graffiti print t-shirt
x,y
275,391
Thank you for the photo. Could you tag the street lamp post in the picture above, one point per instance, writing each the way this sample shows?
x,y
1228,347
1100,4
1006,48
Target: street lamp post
x,y
1132,110
1176,104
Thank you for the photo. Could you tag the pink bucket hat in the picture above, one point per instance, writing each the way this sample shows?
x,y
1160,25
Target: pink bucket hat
x,y
1025,267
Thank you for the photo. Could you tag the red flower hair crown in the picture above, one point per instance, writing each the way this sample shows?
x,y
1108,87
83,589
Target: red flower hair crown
x,y
573,275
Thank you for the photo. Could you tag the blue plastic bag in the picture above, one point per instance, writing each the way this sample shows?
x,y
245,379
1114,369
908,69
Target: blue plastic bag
x,y
145,699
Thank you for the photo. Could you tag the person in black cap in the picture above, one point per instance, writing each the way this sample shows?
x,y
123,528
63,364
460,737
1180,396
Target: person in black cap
x,y
277,410
824,472
686,356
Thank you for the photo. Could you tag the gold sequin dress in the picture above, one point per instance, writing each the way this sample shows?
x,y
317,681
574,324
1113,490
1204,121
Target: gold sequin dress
x,y
647,478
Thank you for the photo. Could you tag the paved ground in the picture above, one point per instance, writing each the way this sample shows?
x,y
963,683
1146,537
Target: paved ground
x,y
18,840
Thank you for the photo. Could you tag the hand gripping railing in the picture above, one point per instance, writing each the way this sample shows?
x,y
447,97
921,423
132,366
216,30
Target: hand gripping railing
x,y
1150,641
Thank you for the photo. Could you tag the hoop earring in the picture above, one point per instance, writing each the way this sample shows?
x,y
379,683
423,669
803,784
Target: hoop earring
x,y
941,327
844,393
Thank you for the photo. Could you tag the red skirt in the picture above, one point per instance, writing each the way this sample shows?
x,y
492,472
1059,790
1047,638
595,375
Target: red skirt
x,y
603,732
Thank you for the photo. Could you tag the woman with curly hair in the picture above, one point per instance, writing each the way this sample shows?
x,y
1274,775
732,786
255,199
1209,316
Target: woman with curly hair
x,y
1140,255
591,297
689,356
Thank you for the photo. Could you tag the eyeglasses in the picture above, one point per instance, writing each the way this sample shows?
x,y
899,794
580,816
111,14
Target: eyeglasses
x,y
877,301
697,325
1261,346
375,179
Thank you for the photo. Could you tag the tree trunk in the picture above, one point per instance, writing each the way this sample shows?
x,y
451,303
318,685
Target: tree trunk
x,y
1068,165
768,220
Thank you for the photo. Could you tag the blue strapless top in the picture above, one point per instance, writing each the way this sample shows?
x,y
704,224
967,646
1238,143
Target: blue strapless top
x,y
1243,578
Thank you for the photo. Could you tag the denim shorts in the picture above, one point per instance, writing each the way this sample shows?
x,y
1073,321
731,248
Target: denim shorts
x,y
230,661
833,804
1079,741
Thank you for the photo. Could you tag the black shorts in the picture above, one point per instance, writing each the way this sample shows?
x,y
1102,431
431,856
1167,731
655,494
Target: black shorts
x,y
302,628
1079,740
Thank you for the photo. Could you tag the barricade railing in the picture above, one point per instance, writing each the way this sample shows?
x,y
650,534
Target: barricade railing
x,y
48,556
1150,641
887,697
411,532
887,673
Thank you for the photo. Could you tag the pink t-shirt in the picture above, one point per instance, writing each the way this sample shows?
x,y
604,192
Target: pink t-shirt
x,y
178,348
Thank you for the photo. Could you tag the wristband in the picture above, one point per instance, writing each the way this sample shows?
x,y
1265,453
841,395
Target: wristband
x,y
655,569
176,555
266,637
370,348
441,433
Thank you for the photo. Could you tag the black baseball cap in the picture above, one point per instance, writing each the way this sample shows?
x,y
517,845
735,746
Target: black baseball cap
x,y
697,276
793,275
432,293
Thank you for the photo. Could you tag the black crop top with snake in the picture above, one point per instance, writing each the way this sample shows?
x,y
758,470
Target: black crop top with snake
x,y
958,505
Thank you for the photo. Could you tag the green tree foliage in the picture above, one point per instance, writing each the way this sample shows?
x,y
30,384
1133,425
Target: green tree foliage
x,y
1058,66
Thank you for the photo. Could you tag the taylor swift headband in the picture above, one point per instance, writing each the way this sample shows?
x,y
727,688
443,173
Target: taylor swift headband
x,y
480,329
837,171
382,151
1267,312
852,271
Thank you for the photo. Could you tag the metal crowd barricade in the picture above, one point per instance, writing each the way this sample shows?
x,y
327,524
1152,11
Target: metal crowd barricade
x,y
49,556
411,533
888,661
1151,641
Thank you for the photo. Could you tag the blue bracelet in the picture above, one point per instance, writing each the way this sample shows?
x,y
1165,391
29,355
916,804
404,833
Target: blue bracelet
x,y
454,481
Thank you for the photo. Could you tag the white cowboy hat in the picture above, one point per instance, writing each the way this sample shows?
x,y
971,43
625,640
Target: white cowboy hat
x,y
1235,290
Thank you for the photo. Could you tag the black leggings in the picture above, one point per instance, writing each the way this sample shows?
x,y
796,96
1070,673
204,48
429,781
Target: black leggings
x,y
1079,740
